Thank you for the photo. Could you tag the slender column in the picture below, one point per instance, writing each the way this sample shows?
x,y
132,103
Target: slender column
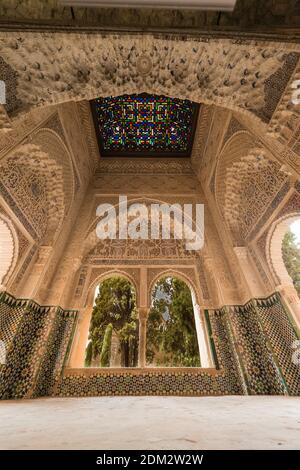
x,y
143,314
203,342
77,355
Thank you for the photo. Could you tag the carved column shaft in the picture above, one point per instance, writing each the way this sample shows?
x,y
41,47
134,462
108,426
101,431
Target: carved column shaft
x,y
143,314
203,344
80,340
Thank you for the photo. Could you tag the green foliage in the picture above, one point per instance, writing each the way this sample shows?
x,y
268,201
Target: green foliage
x,y
106,346
115,305
291,258
88,354
171,331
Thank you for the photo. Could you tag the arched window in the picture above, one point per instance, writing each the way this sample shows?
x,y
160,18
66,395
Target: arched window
x,y
282,252
291,253
113,333
282,233
173,329
8,249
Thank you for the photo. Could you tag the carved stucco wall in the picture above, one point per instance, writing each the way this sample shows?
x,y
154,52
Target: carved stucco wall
x,y
146,181
244,166
252,77
41,190
169,181
226,75
243,200
269,238
173,181
248,185
238,75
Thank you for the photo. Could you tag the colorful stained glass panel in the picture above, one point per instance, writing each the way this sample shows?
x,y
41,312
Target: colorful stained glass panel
x,y
146,125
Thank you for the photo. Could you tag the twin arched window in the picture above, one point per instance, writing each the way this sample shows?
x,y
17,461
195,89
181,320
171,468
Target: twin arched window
x,y
172,339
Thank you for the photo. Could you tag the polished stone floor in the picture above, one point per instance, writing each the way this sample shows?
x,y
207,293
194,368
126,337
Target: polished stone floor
x,y
151,423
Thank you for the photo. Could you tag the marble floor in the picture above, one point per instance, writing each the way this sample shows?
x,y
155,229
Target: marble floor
x,y
151,423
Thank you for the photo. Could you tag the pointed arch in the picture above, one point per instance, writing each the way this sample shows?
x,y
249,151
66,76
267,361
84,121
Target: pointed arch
x,y
275,237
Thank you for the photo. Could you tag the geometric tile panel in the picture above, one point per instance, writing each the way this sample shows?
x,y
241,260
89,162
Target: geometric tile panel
x,y
143,383
23,356
251,345
28,348
261,372
10,317
281,335
56,351
227,358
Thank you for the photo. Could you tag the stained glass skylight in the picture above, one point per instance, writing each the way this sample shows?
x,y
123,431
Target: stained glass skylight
x,y
144,125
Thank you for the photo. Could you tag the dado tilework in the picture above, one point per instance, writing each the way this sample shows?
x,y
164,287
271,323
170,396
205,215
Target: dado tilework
x,y
250,344
281,335
32,354
261,372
